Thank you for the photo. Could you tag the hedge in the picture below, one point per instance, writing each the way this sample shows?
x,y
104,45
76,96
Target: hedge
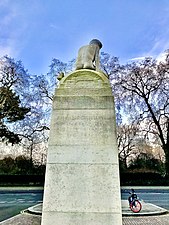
x,y
143,179
21,180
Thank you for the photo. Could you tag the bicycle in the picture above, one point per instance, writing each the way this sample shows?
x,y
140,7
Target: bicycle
x,y
134,204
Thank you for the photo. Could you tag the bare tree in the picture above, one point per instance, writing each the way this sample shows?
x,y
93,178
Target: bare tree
x,y
143,90
126,135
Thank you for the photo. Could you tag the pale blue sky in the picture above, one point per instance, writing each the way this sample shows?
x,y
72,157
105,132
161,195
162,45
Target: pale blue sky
x,y
35,31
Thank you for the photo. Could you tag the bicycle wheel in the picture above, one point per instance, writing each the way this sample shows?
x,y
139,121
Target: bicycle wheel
x,y
135,206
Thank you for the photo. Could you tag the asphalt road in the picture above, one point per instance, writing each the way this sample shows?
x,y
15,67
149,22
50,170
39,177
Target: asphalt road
x,y
156,196
12,202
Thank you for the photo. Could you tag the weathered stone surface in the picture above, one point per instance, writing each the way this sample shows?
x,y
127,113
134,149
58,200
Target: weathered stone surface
x,y
82,154
88,56
82,175
92,127
83,218
82,188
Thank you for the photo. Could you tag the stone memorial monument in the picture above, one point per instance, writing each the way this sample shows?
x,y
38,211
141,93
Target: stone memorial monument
x,y
82,175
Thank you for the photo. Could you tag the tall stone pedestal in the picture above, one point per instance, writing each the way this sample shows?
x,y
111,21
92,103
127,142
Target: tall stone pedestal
x,y
82,175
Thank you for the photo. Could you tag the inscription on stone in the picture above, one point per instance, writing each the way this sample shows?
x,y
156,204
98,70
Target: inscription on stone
x,y
82,175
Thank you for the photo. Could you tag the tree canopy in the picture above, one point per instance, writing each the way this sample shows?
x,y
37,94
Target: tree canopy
x,y
11,110
141,90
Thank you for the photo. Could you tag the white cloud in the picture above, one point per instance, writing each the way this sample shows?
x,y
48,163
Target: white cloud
x,y
8,11
10,31
161,57
54,26
8,50
137,58
6,39
4,3
159,48
9,47
156,52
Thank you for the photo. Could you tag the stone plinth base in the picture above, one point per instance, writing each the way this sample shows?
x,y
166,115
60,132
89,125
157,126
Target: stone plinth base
x,y
82,175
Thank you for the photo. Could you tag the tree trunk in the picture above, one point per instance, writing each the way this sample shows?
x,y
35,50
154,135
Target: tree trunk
x,y
166,150
167,160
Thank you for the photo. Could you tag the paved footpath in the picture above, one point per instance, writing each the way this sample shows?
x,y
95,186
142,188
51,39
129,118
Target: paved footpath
x,y
150,220
23,219
28,219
